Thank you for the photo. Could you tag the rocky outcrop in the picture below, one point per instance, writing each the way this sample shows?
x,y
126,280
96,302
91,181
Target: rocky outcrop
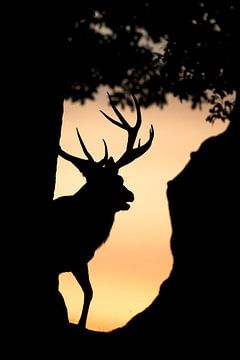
x,y
199,302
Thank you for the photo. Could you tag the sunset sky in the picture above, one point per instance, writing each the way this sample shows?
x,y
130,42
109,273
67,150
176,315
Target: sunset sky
x,y
128,269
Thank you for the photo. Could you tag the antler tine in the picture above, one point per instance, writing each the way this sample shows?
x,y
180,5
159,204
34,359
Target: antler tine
x,y
123,124
88,155
139,116
86,152
105,158
132,130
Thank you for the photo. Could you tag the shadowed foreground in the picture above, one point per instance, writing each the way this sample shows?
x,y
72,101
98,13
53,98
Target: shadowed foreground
x,y
198,305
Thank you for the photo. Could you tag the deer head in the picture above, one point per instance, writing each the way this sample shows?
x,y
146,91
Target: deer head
x,y
102,176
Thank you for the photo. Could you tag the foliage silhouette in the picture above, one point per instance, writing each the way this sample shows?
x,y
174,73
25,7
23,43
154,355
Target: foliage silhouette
x,y
187,49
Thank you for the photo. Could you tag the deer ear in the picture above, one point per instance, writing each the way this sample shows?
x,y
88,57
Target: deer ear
x,y
111,162
111,165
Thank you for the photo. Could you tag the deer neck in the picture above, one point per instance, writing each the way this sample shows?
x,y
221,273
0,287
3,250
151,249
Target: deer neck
x,y
94,205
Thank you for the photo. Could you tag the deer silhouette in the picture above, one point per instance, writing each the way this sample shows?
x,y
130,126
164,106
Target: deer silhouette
x,y
84,220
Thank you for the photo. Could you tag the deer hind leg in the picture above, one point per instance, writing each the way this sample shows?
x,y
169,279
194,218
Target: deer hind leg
x,y
82,276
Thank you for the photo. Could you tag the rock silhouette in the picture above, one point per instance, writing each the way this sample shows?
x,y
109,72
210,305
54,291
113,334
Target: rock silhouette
x,y
199,302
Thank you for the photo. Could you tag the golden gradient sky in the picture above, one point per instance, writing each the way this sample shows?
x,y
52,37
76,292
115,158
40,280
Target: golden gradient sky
x,y
128,269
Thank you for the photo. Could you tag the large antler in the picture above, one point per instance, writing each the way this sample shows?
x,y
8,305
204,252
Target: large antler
x,y
131,153
84,165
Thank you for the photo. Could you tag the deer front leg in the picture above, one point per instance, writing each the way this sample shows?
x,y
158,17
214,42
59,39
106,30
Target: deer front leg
x,y
82,276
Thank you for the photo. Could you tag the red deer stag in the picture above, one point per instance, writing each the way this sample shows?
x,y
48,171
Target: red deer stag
x,y
85,219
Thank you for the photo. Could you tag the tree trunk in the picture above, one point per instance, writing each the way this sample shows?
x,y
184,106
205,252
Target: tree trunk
x,y
35,108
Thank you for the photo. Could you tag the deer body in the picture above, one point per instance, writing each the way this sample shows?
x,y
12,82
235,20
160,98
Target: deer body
x,y
83,221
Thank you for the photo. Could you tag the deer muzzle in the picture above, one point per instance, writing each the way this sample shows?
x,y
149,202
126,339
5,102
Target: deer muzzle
x,y
128,197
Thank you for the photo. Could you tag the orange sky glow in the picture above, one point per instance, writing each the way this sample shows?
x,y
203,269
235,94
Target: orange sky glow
x,y
127,271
